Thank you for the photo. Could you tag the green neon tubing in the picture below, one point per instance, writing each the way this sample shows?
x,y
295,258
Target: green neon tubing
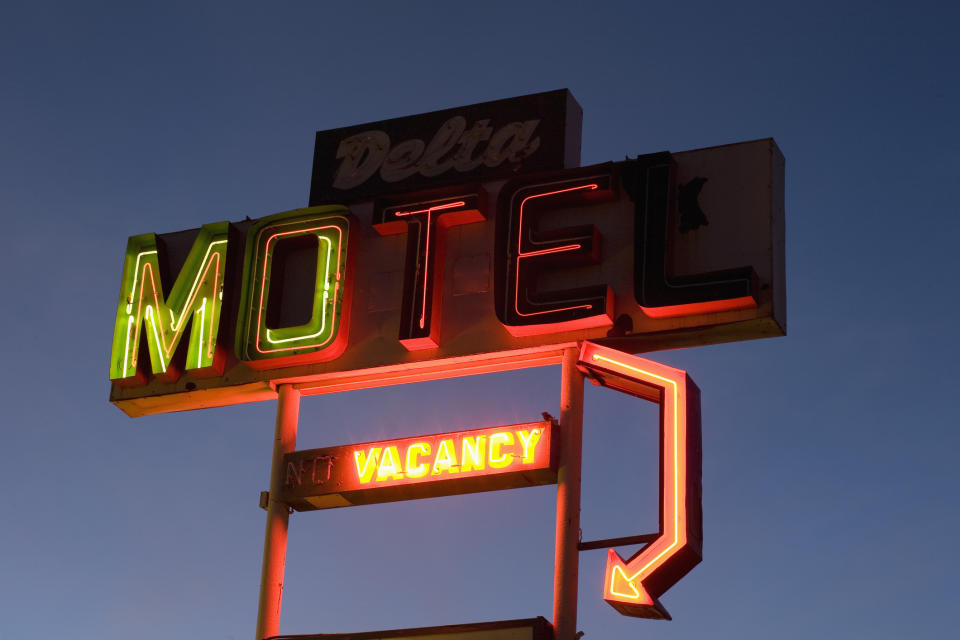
x,y
195,300
255,341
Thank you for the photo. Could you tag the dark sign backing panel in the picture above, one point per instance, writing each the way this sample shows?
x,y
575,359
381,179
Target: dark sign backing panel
x,y
479,142
488,459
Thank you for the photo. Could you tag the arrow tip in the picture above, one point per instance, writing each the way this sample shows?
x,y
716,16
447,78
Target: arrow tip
x,y
626,593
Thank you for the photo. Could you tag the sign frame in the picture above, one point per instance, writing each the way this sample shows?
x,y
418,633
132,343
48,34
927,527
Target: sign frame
x,y
501,179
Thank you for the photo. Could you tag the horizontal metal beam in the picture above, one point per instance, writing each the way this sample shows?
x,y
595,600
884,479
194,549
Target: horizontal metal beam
x,y
618,542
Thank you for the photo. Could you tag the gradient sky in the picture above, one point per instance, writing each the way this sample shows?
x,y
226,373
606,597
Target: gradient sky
x,y
830,481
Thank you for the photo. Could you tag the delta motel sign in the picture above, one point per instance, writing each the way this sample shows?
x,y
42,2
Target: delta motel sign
x,y
462,242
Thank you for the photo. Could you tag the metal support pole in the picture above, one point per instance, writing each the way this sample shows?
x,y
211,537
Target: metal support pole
x,y
566,561
278,514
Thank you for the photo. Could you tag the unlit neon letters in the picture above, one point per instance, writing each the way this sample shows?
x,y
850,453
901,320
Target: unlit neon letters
x,y
653,182
453,146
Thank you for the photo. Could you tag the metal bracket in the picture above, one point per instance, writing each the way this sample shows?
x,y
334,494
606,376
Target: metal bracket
x,y
643,538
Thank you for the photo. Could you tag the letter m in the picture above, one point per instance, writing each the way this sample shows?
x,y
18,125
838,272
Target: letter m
x,y
194,300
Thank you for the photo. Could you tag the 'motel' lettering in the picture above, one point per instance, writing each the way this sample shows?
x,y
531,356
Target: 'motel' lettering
x,y
424,222
323,335
195,299
522,252
527,245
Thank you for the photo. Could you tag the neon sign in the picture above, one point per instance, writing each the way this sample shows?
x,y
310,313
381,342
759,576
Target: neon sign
x,y
195,300
659,294
662,251
633,586
426,466
523,253
656,252
426,223
323,334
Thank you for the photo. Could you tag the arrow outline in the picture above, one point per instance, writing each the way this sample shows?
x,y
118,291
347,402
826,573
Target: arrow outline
x,y
657,562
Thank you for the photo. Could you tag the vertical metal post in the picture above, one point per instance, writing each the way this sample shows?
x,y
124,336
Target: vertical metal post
x,y
278,514
566,560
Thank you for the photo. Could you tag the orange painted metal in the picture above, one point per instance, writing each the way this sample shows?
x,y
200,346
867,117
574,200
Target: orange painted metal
x,y
278,515
566,553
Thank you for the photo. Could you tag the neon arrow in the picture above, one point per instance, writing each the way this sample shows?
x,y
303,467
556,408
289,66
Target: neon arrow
x,y
632,586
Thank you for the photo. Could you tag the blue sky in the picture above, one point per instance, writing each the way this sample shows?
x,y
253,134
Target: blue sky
x,y
830,483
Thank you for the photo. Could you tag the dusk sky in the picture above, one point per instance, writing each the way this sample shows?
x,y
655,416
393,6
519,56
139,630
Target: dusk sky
x,y
830,482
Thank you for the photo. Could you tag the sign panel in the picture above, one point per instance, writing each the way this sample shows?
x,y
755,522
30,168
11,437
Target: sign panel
x,y
489,459
663,251
467,144
527,629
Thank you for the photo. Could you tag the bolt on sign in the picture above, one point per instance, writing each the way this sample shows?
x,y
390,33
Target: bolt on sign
x,y
452,243
459,242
